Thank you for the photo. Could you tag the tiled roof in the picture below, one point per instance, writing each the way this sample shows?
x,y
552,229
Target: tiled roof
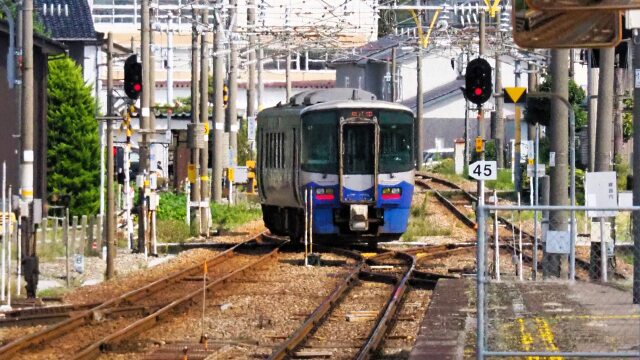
x,y
66,20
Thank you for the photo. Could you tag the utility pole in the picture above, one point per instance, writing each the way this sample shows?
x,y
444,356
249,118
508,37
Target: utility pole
x,y
251,83
29,259
532,85
232,111
618,140
195,120
605,111
111,220
144,125
218,120
204,118
559,137
394,79
592,105
636,168
419,109
260,78
517,176
152,76
170,62
287,73
499,122
604,138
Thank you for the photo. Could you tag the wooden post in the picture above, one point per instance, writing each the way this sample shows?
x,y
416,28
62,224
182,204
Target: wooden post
x,y
90,232
55,229
45,226
74,230
99,235
65,239
83,235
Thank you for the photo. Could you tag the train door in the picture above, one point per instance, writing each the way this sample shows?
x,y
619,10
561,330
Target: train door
x,y
358,160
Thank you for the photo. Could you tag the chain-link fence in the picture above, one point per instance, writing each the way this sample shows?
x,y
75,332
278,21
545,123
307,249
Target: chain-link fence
x,y
548,289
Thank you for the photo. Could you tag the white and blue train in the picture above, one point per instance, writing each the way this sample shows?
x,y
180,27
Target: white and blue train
x,y
353,154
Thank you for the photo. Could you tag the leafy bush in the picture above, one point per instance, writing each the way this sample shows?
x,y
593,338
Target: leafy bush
x,y
172,206
445,167
503,182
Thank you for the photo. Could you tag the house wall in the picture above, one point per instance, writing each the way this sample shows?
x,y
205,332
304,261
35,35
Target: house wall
x,y
10,122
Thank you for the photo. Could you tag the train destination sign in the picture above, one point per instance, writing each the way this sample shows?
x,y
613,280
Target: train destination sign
x,y
584,4
534,28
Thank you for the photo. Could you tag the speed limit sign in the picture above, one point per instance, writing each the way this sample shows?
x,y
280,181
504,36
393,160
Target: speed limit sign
x,y
484,170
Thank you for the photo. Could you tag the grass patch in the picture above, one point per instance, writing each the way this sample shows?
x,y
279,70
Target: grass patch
x,y
53,292
51,250
171,230
446,168
419,224
503,182
227,217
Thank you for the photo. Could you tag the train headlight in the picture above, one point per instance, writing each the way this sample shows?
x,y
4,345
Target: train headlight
x,y
391,193
324,194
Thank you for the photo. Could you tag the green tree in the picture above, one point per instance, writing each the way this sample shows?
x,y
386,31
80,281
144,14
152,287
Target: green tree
x,y
73,154
576,97
627,119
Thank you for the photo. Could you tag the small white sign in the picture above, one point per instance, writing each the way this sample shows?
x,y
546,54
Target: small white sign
x,y
78,263
625,199
552,159
28,155
637,78
484,170
251,128
558,242
601,191
541,170
145,111
219,126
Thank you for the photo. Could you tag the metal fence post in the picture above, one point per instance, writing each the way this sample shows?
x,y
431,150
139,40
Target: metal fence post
x,y
65,239
480,282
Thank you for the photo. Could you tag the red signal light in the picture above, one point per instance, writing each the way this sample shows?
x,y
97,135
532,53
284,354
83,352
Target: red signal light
x,y
477,91
137,87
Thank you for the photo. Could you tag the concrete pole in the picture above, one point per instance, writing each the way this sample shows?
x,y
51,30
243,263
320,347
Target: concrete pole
x,y
218,128
605,111
232,110
618,140
419,145
499,122
287,73
152,76
532,85
604,141
204,118
251,83
518,134
27,157
170,60
144,121
110,216
260,79
26,133
636,169
592,105
196,221
394,77
559,137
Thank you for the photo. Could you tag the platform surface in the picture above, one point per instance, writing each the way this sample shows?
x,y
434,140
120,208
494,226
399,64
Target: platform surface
x,y
529,316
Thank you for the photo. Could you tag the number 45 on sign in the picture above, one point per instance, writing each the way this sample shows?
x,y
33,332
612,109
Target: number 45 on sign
x,y
484,170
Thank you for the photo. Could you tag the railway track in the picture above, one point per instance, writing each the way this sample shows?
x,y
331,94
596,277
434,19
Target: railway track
x,y
464,217
356,316
88,332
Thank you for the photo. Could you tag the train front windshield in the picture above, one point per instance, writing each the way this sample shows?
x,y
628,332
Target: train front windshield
x,y
320,139
396,142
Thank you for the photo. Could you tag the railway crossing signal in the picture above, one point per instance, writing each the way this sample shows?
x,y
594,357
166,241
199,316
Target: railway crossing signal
x,y
478,81
132,77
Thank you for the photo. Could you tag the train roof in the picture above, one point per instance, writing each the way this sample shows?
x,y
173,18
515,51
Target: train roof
x,y
337,98
356,104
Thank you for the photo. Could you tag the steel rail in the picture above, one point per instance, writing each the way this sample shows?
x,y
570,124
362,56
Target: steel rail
x,y
59,329
107,343
584,264
390,309
318,314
